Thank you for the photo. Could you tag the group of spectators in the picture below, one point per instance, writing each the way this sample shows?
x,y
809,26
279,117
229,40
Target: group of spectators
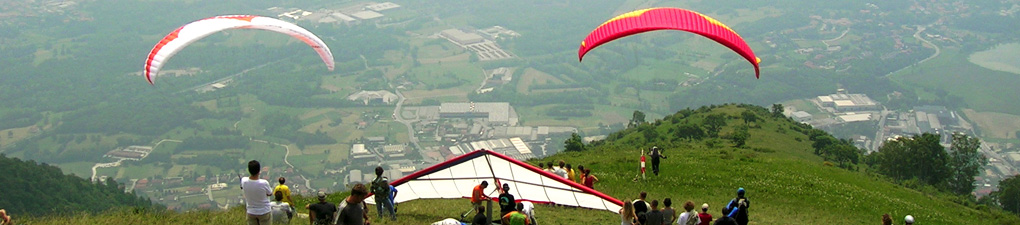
x,y
644,212
510,211
351,211
581,175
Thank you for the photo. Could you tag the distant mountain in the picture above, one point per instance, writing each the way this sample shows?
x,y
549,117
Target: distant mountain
x,y
785,180
30,188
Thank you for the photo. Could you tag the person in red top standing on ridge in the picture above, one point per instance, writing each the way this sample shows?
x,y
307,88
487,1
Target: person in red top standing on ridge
x,y
589,180
706,218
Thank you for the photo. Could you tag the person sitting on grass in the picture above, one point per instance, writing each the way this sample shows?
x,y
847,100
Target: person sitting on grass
x,y
281,211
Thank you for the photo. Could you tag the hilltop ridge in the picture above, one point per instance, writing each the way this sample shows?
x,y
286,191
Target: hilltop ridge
x,y
787,183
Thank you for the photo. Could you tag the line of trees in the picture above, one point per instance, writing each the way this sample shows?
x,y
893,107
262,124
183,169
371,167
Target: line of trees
x,y
924,159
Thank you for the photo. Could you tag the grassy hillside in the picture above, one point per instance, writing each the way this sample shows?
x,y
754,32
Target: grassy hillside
x,y
786,183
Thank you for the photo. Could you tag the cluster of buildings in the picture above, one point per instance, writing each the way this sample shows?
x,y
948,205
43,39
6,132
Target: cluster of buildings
x,y
840,108
483,46
133,152
496,77
348,15
15,9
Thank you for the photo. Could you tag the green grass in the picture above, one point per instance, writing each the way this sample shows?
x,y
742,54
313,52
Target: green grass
x,y
784,179
982,89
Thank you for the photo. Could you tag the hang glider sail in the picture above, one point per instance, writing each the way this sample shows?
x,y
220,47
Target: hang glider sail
x,y
191,32
455,178
653,19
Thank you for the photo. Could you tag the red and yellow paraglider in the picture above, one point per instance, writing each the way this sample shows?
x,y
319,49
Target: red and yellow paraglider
x,y
653,19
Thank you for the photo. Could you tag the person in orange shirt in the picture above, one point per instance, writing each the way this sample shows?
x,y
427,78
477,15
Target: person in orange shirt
x,y
477,198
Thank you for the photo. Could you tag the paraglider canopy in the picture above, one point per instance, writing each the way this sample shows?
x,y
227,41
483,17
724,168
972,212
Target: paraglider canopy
x,y
191,32
652,19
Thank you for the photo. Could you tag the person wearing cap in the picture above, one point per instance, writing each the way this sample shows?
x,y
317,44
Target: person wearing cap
x,y
689,216
256,196
908,220
353,210
656,154
507,203
321,213
740,204
704,216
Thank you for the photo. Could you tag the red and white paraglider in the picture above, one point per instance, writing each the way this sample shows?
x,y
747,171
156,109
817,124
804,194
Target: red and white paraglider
x,y
191,32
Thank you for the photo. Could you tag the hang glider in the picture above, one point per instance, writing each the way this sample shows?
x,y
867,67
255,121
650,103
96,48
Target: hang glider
x,y
455,178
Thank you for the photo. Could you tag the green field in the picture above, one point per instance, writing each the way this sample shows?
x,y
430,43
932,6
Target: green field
x,y
982,89
1000,58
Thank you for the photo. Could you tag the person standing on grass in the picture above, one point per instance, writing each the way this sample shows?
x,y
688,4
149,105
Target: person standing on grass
x,y
285,190
668,213
381,190
580,174
589,180
689,217
886,219
705,217
656,154
477,198
571,175
627,216
393,198
741,203
256,196
353,210
507,203
654,217
561,170
641,208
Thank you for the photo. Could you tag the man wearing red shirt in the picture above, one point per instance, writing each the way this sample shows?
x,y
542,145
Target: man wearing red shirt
x,y
477,197
706,218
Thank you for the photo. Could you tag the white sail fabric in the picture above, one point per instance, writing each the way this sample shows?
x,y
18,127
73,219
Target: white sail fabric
x,y
191,32
455,178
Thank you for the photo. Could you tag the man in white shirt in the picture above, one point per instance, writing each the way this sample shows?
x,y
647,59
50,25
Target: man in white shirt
x,y
256,196
560,171
281,212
